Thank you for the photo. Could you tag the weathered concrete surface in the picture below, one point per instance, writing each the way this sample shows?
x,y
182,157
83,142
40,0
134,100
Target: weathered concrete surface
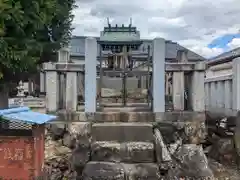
x,y
122,132
103,171
132,152
124,117
180,116
116,116
120,171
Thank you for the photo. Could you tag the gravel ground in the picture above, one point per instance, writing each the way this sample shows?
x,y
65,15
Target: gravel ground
x,y
223,172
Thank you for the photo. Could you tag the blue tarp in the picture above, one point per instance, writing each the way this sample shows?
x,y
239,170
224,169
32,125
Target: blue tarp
x,y
24,114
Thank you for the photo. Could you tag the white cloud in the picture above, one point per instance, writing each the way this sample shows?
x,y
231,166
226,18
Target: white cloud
x,y
234,43
193,24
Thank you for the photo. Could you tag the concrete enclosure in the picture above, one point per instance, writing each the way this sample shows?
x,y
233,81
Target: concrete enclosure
x,y
65,81
222,87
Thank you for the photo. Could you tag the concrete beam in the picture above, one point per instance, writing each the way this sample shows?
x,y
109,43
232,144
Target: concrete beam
x,y
219,78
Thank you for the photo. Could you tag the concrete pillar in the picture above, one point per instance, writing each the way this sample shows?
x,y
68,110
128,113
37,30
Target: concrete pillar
x,y
90,75
220,90
62,91
42,82
178,91
212,94
63,55
236,84
158,75
207,94
52,91
30,86
198,92
71,91
80,84
227,94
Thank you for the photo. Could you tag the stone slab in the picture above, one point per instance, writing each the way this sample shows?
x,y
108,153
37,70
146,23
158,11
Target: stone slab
x,y
120,171
122,132
103,171
141,171
124,117
180,116
132,152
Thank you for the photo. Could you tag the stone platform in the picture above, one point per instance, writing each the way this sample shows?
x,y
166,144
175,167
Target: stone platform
x,y
131,145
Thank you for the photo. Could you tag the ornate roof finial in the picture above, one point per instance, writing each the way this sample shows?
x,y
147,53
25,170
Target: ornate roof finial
x,y
130,22
109,25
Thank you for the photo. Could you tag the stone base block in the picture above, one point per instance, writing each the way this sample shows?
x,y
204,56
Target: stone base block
x,y
124,117
103,171
143,171
120,171
122,132
132,152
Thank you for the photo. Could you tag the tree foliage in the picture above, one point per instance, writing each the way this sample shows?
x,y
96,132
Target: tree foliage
x,y
31,31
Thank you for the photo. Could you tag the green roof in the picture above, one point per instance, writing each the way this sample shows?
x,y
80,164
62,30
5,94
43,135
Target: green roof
x,y
120,36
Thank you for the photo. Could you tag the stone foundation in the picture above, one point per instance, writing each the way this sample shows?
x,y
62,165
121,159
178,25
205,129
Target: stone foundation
x,y
165,149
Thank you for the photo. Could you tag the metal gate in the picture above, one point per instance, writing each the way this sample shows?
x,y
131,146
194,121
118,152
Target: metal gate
x,y
121,67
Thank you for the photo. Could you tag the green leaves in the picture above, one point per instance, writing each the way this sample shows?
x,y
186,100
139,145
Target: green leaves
x,y
31,31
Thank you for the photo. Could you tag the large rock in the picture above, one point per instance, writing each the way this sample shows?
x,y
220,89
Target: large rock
x,y
78,135
57,130
191,163
190,126
163,156
57,160
223,151
133,152
122,132
103,171
79,158
195,132
78,138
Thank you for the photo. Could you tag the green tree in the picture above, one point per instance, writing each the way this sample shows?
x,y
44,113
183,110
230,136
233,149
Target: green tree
x,y
31,31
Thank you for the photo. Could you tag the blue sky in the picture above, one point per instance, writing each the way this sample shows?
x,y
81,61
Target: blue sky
x,y
222,42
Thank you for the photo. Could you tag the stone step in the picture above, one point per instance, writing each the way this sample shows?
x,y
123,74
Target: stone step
x,y
120,171
122,132
130,152
122,116
109,116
